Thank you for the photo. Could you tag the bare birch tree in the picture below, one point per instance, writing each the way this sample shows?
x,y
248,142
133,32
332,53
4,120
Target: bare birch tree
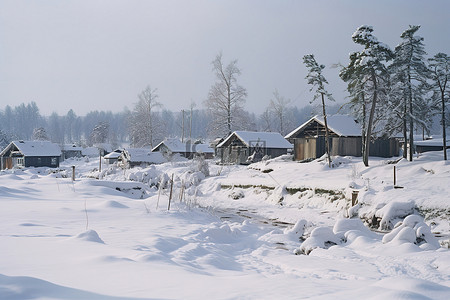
x,y
226,98
279,107
144,122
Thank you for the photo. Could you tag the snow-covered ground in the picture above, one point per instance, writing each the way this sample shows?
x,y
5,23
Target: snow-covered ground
x,y
231,235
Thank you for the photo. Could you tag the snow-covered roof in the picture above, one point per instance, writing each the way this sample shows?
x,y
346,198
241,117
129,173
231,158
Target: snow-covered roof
x,y
144,155
176,146
71,147
342,125
249,138
202,148
112,155
105,146
432,142
36,148
90,151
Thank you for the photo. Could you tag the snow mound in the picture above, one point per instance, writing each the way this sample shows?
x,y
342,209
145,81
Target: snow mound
x,y
321,237
298,230
413,230
384,216
113,204
90,236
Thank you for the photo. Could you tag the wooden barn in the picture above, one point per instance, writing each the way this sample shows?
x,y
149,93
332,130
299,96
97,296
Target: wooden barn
x,y
171,147
345,139
243,147
19,154
432,144
71,150
133,157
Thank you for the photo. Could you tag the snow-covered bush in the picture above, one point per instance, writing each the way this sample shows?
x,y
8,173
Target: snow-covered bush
x,y
384,216
321,237
297,230
412,230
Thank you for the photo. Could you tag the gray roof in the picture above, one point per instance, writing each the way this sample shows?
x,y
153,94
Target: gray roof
x,y
270,139
35,148
342,125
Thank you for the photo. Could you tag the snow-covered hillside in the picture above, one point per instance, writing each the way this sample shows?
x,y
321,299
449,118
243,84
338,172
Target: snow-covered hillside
x,y
231,235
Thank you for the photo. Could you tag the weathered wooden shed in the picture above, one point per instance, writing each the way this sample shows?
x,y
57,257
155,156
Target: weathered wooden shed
x,y
133,157
344,136
30,154
432,144
174,146
242,147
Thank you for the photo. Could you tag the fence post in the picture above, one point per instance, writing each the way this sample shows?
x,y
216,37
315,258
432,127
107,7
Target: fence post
x,y
171,189
395,178
73,173
354,197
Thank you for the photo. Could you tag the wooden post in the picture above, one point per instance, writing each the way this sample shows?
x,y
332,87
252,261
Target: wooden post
x,y
73,173
395,178
354,197
100,163
170,195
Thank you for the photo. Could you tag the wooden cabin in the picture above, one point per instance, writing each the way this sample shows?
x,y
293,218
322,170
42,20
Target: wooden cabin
x,y
24,154
244,147
344,136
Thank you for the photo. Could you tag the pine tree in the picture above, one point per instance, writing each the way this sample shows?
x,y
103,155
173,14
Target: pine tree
x,y
410,76
317,82
367,78
440,73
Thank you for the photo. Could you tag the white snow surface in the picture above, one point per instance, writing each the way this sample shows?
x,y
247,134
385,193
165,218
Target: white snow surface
x,y
231,235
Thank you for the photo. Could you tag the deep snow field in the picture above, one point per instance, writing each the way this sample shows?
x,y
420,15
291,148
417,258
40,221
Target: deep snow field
x,y
231,235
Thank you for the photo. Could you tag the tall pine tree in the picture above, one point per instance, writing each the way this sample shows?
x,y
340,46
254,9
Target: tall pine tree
x,y
410,75
367,78
440,73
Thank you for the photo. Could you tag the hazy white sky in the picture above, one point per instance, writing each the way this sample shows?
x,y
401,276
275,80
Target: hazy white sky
x,y
99,54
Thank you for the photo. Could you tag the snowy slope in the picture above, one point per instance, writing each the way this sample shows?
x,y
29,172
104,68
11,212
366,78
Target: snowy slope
x,y
231,237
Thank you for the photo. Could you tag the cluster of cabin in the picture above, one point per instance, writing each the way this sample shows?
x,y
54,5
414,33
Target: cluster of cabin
x,y
306,142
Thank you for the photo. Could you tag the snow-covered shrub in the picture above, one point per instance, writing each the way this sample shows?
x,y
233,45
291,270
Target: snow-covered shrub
x,y
413,230
321,237
384,216
200,164
298,229
236,194
278,194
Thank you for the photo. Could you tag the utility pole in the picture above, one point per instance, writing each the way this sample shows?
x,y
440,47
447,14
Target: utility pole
x,y
182,134
190,126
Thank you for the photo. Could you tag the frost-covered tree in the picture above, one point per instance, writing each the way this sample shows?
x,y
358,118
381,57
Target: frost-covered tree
x,y
39,134
145,125
4,140
99,133
279,108
409,77
226,98
317,82
367,80
440,73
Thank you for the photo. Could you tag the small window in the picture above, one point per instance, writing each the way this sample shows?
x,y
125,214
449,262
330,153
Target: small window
x,y
39,161
20,161
54,161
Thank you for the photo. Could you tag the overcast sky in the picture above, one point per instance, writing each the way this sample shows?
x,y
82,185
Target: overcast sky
x,y
99,54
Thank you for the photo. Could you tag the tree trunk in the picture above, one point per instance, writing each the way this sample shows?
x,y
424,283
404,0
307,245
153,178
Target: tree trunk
x,y
405,132
370,123
327,144
411,126
444,135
